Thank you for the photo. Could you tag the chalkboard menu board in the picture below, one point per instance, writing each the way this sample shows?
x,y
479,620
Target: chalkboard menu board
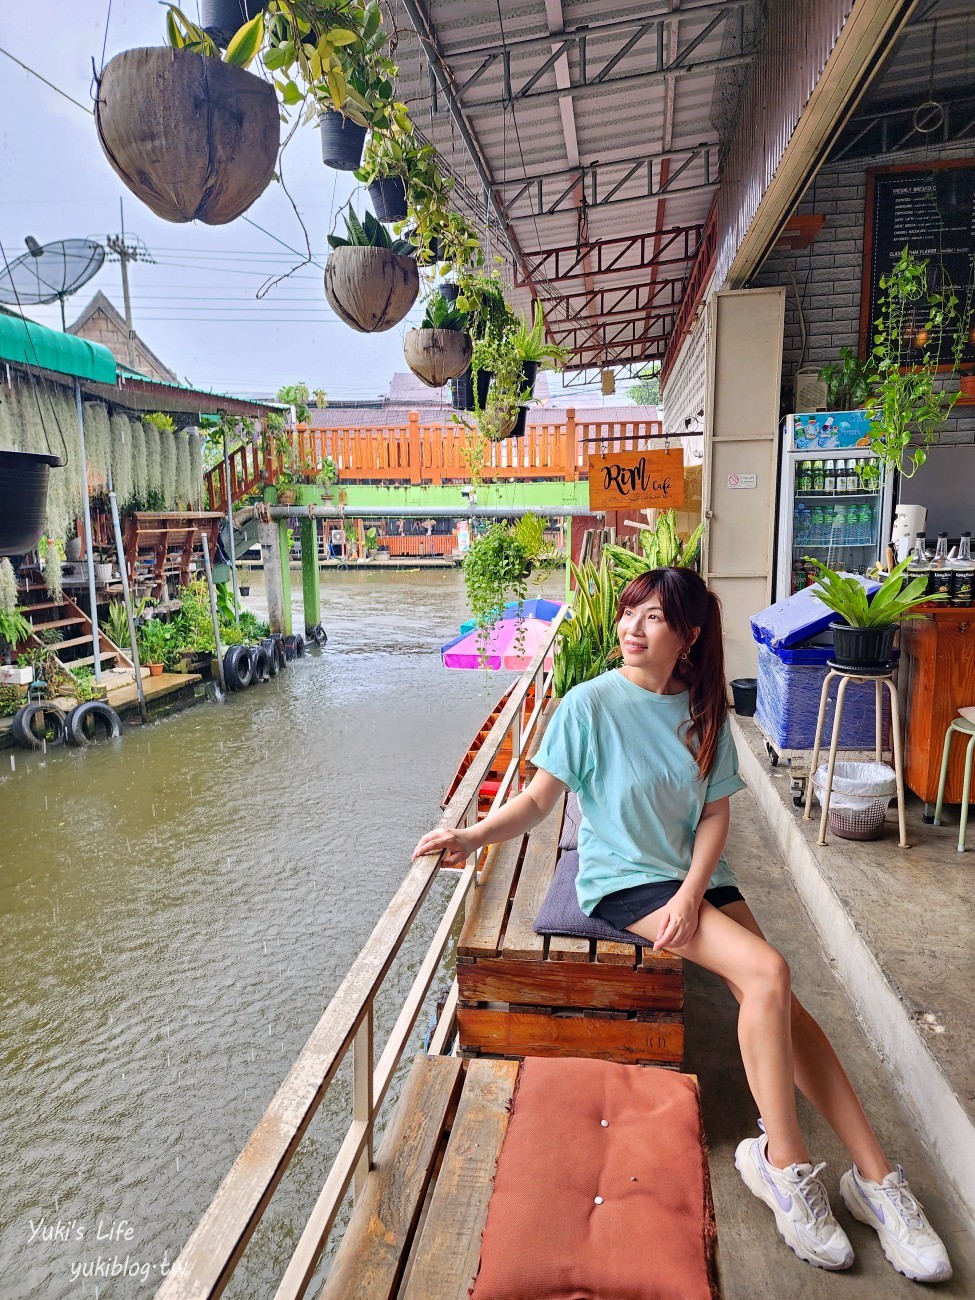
x,y
931,210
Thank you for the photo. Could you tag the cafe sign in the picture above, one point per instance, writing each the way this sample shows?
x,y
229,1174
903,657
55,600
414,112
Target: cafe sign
x,y
634,479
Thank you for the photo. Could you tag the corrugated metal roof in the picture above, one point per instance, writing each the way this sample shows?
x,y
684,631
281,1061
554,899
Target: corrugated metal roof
x,y
27,343
588,116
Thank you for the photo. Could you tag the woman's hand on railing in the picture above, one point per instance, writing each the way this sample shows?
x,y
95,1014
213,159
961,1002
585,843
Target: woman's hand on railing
x,y
456,845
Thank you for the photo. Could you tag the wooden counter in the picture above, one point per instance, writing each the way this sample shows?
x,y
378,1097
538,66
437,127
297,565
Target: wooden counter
x,y
937,677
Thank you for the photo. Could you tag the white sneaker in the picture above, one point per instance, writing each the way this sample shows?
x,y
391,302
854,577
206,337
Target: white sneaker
x,y
799,1202
908,1240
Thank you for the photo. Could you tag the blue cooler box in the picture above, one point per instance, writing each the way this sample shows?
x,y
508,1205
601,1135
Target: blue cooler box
x,y
790,683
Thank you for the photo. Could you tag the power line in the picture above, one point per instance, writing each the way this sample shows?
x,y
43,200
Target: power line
x,y
77,103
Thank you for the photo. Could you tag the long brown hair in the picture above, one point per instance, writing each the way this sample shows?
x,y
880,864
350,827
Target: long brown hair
x,y
688,604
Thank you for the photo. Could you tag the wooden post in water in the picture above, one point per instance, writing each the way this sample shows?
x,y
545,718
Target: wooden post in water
x,y
275,569
310,573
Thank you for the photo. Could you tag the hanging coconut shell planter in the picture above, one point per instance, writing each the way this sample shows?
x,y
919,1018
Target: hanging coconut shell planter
x,y
196,139
436,356
23,490
371,289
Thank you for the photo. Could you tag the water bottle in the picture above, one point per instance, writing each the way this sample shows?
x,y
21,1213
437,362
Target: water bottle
x,y
817,529
838,527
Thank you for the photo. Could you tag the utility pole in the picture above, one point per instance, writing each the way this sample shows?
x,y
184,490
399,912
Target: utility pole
x,y
126,252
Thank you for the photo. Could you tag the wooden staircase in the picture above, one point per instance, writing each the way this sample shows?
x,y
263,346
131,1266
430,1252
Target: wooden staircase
x,y
65,616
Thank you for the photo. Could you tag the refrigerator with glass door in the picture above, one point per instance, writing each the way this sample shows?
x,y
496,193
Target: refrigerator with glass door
x,y
835,502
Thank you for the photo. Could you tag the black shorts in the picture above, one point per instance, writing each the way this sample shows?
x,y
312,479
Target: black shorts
x,y
625,906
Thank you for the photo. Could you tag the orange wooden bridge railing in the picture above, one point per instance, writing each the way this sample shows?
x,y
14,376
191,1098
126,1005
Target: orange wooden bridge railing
x,y
433,453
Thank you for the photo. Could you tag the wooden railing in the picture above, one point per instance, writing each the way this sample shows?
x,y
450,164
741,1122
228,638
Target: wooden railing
x,y
207,1261
433,453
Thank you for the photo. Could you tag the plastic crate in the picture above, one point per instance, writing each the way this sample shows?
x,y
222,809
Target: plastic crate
x,y
790,683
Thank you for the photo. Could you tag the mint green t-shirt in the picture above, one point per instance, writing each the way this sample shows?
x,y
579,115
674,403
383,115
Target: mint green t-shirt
x,y
621,749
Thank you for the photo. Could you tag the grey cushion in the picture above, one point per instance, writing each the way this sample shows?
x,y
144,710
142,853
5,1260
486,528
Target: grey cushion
x,y
560,913
569,839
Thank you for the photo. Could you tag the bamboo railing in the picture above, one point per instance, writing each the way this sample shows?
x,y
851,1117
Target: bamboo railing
x,y
417,453
207,1261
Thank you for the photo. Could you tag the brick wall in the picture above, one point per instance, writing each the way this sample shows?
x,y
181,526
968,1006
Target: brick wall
x,y
827,274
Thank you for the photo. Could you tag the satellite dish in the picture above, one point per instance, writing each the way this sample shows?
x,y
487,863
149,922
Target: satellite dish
x,y
50,272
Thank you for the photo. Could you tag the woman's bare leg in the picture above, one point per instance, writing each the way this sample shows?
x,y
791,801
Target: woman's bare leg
x,y
820,1077
761,976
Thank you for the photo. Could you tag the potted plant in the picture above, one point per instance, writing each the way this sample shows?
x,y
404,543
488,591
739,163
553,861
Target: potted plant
x,y
587,641
327,474
441,348
153,638
222,18
917,326
14,628
532,350
298,396
371,281
286,486
847,381
386,166
864,638
23,489
193,135
495,571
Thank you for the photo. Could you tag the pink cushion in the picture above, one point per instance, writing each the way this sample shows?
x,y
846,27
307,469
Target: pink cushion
x,y
650,1237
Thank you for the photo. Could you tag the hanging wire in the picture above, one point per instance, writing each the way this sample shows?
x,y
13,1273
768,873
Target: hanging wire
x,y
108,19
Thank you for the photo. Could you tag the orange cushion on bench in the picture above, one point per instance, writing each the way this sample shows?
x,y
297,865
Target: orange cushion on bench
x,y
649,1237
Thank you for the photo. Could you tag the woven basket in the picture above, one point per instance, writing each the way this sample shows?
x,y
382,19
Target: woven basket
x,y
866,823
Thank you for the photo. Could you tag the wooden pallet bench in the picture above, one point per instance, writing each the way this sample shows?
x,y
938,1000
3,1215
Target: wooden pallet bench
x,y
522,993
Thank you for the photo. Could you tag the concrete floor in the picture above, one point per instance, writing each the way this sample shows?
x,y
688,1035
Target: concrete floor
x,y
754,1261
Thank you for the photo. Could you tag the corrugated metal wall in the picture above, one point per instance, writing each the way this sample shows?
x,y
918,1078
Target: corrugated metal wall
x,y
799,38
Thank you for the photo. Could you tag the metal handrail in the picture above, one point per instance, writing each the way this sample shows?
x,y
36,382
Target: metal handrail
x,y
206,1263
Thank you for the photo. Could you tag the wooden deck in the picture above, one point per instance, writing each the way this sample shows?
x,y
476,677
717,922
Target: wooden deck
x,y
527,994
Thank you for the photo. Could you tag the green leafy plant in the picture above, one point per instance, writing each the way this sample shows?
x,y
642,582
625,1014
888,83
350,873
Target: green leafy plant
x,y
646,390
847,381
241,51
529,342
12,698
328,473
48,669
14,628
369,233
915,326
390,153
116,624
661,548
439,232
85,687
588,641
298,396
891,603
154,642
443,315
160,421
495,571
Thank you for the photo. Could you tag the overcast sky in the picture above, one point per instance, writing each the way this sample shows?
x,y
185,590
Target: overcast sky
x,y
195,304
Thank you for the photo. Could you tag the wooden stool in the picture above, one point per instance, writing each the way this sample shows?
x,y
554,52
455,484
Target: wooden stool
x,y
962,727
879,679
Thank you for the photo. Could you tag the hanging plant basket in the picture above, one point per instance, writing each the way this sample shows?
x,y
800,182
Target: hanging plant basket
x,y
23,491
342,141
372,289
388,197
482,385
448,291
529,373
194,138
437,355
222,18
462,391
518,427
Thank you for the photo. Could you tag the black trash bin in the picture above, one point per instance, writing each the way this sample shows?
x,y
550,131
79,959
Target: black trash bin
x,y
745,693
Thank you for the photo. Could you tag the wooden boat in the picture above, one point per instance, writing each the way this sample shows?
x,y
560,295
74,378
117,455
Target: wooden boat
x,y
491,784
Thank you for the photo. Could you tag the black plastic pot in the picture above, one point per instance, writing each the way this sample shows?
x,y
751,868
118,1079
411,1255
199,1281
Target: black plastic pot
x,y
342,141
863,649
744,691
529,373
482,383
388,197
449,291
222,18
462,392
519,430
23,491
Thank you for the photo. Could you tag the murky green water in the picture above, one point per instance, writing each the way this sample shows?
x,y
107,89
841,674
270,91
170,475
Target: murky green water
x,y
179,907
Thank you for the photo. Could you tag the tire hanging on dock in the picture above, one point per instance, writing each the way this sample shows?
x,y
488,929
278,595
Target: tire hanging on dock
x,y
270,647
85,721
238,667
262,664
27,719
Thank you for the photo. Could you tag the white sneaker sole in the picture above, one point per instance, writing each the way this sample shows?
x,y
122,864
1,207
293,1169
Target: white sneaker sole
x,y
757,1187
887,1245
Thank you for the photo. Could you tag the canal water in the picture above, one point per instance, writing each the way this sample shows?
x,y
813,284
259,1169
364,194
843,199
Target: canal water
x,y
178,909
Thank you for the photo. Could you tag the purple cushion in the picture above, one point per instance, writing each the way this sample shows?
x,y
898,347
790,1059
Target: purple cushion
x,y
560,912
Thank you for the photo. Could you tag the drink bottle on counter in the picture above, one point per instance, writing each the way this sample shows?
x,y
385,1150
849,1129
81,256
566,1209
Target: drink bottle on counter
x,y
940,573
919,566
963,573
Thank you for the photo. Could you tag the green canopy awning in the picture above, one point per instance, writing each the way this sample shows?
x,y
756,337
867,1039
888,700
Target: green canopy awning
x,y
25,343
